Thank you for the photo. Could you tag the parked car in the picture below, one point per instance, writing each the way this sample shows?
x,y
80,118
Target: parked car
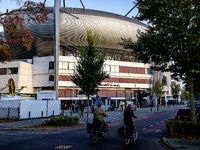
x,y
184,114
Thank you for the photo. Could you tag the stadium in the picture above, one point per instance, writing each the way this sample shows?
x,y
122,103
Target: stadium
x,y
35,68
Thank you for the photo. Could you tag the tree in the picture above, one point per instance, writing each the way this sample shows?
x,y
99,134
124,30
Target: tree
x,y
89,71
173,36
13,22
175,89
157,90
186,95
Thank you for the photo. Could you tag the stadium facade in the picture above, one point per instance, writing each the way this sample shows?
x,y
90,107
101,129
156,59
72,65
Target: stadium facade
x,y
35,69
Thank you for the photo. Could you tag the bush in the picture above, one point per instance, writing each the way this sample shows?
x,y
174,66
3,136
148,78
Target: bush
x,y
61,121
183,129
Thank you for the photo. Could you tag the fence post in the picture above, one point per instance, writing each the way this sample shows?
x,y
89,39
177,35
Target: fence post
x,y
8,111
53,112
42,114
29,114
18,116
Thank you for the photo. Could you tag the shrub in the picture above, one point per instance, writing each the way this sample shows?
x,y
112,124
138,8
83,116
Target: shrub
x,y
61,121
183,129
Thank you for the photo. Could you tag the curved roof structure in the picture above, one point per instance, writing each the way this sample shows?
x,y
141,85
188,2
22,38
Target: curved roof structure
x,y
108,27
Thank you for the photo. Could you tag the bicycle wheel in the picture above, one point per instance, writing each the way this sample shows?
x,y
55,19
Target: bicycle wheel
x,y
135,134
93,135
106,132
126,140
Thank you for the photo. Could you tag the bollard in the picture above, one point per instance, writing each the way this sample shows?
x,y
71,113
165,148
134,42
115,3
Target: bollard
x,y
8,111
42,114
29,115
53,112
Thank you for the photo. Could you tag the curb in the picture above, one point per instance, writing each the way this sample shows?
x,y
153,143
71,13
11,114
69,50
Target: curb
x,y
173,145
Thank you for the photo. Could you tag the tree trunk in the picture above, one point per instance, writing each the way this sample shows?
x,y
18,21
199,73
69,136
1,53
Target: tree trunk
x,y
88,108
192,105
157,103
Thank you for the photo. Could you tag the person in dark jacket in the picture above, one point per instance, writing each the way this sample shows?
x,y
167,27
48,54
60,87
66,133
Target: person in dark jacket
x,y
128,115
82,109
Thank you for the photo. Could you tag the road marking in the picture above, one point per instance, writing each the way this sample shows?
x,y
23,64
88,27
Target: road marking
x,y
63,147
162,121
143,128
157,123
150,125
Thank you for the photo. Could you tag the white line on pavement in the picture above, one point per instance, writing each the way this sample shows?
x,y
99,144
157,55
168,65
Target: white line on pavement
x,y
143,128
150,125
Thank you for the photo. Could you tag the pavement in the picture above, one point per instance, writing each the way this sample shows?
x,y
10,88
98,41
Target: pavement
x,y
114,117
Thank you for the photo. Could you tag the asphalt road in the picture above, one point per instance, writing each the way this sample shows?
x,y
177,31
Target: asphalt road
x,y
150,128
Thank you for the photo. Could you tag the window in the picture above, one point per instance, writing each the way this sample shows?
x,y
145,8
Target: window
x,y
147,71
51,65
71,66
60,65
112,69
116,68
12,70
107,68
65,65
3,71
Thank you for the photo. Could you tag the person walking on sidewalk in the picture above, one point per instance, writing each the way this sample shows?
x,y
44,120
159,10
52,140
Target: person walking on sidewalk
x,y
128,114
82,109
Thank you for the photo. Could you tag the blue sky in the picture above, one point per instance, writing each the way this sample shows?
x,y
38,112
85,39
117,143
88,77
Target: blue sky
x,y
121,7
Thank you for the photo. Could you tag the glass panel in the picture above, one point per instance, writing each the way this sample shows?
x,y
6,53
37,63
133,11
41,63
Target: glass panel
x,y
65,65
116,68
60,65
3,71
12,70
51,65
112,68
108,68
71,66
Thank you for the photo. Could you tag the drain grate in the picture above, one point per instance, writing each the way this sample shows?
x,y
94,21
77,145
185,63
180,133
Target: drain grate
x,y
63,147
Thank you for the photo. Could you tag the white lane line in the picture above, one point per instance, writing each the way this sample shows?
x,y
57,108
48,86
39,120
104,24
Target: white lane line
x,y
161,121
156,122
150,125
143,128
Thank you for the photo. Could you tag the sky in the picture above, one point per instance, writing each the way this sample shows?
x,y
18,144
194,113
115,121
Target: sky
x,y
121,7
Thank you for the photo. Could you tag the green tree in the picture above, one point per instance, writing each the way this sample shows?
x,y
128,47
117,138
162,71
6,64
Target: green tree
x,y
157,90
173,36
175,89
89,71
186,95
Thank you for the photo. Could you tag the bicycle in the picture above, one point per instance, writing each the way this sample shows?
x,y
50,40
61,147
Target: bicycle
x,y
95,131
128,133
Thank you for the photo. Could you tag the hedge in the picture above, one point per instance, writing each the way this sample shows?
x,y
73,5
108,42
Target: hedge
x,y
61,121
183,129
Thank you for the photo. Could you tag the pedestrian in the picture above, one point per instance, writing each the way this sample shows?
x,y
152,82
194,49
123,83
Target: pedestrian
x,y
76,106
82,109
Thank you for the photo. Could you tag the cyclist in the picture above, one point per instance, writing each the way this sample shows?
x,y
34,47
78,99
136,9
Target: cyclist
x,y
99,113
128,114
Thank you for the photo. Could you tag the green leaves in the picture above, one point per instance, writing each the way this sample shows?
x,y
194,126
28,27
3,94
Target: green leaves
x,y
157,88
89,73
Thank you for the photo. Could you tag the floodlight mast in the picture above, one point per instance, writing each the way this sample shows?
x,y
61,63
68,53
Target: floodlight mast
x,y
56,43
57,6
131,9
